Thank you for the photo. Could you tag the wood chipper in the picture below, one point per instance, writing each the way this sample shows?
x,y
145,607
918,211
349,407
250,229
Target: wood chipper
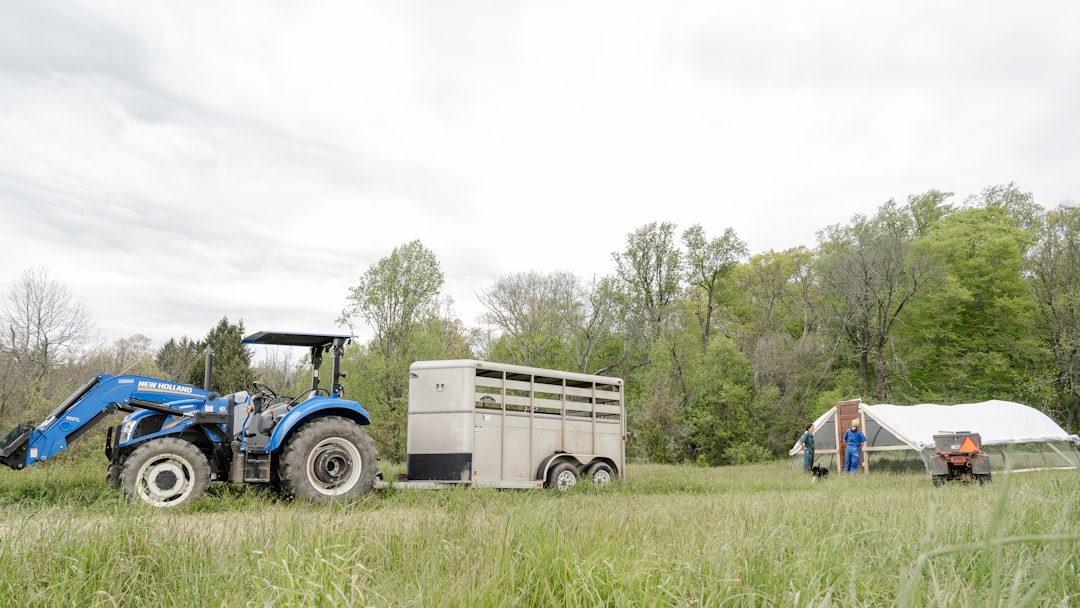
x,y
959,457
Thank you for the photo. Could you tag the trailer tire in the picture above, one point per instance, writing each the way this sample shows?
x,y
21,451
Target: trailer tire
x,y
563,476
166,472
600,474
331,458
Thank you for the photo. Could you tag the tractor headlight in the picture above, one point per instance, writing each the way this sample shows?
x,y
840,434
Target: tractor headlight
x,y
126,430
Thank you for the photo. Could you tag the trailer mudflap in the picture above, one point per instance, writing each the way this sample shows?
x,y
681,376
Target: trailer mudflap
x,y
13,445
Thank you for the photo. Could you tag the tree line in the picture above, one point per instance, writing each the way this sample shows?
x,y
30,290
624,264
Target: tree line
x,y
725,355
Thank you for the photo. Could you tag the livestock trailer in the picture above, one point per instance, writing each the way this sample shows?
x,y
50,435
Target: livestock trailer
x,y
511,426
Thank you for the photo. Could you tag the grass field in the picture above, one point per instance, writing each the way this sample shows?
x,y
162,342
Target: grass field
x,y
667,536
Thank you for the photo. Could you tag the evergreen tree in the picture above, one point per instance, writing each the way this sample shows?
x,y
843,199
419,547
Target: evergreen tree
x,y
232,369
176,358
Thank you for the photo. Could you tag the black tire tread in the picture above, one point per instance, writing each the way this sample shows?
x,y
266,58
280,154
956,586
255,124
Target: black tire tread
x,y
200,466
291,468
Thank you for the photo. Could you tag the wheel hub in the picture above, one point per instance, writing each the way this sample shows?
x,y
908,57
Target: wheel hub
x,y
332,466
566,479
164,481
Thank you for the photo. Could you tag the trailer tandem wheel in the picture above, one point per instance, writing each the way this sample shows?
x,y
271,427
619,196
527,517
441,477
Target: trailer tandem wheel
x,y
600,473
563,476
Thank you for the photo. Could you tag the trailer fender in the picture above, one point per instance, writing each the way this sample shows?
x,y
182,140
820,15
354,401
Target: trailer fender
x,y
557,458
309,410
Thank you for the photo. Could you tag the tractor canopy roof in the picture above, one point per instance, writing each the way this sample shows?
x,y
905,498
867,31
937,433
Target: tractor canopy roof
x,y
286,338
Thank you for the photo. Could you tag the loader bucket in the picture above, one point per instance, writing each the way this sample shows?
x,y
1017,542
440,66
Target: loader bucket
x,y
13,445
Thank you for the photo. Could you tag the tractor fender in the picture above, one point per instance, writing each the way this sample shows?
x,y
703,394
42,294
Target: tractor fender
x,y
980,463
316,407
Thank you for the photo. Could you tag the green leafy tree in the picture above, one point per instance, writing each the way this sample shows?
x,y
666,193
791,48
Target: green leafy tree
x,y
972,336
650,322
928,208
1054,267
1019,206
719,414
708,263
650,270
776,289
869,274
381,384
393,295
782,332
398,297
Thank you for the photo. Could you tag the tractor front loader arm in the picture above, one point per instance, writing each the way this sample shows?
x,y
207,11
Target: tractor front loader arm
x,y
90,403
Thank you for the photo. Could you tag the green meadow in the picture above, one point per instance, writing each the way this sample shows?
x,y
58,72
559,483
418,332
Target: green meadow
x,y
666,536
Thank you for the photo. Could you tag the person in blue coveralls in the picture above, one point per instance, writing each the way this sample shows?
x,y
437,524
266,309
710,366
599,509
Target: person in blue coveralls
x,y
854,438
807,440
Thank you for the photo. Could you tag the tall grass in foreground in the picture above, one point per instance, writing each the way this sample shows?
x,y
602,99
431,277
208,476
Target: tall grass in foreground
x,y
668,536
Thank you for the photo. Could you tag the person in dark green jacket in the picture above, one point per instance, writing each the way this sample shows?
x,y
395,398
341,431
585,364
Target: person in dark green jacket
x,y
807,441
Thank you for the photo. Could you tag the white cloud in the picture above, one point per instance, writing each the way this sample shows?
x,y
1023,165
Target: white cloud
x,y
178,162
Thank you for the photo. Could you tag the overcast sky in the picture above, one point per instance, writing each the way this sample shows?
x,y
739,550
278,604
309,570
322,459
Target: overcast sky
x,y
172,163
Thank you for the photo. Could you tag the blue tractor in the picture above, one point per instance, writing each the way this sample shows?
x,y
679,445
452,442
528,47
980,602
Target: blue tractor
x,y
177,438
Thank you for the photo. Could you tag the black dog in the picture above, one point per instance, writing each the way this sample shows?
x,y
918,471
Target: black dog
x,y
819,472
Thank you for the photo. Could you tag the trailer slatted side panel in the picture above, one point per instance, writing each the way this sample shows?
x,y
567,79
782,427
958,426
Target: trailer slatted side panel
x,y
507,420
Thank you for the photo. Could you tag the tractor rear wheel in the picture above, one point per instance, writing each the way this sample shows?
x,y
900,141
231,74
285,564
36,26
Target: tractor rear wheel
x,y
326,459
165,472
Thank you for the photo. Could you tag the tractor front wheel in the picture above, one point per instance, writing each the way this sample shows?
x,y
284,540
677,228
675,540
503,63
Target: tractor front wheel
x,y
328,458
165,472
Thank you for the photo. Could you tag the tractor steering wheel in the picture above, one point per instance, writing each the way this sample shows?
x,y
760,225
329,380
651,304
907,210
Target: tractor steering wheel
x,y
262,388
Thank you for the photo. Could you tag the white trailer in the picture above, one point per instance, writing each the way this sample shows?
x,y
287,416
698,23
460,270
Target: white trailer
x,y
510,426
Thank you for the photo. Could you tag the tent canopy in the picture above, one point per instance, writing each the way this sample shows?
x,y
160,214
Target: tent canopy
x,y
997,422
913,427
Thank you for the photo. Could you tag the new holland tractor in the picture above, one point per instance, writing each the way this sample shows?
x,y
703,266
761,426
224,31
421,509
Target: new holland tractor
x,y
177,438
